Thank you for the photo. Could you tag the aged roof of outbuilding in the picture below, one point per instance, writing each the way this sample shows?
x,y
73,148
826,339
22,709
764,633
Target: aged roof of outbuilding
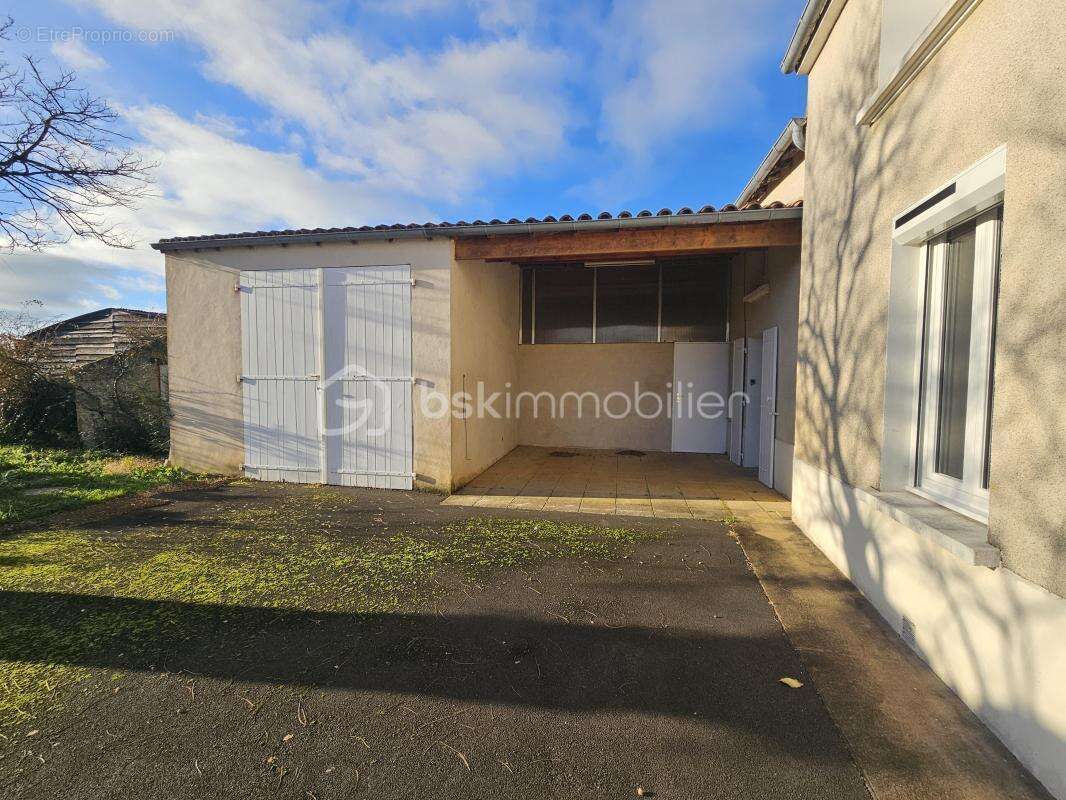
x,y
92,316
604,220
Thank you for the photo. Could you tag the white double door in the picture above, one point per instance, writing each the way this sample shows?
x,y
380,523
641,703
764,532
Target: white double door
x,y
326,375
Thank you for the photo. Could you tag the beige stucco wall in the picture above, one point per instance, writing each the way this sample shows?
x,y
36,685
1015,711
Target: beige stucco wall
x,y
997,81
204,342
599,368
779,308
789,189
485,311
204,358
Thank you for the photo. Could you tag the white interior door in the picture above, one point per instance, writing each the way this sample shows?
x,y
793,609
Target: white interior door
x,y
752,395
280,376
701,383
745,380
768,407
368,386
736,402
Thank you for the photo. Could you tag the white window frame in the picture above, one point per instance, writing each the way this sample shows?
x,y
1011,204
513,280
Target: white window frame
x,y
976,189
967,495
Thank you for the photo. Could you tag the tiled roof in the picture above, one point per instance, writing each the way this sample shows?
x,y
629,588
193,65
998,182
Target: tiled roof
x,y
446,228
784,153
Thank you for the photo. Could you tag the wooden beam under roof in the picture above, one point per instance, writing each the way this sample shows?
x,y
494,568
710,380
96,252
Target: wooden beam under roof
x,y
631,242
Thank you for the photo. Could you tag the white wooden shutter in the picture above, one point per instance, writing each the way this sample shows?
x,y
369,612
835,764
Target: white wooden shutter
x,y
368,377
280,342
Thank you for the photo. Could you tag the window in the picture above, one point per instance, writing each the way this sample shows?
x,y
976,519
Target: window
x,y
679,300
563,304
627,304
956,389
695,298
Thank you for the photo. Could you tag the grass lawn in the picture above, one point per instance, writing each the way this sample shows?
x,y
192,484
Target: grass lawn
x,y
134,593
35,482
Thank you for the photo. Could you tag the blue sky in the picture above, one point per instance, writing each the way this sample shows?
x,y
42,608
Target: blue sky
x,y
262,113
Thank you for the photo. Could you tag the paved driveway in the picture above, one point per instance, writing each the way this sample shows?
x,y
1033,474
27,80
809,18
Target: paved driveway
x,y
581,672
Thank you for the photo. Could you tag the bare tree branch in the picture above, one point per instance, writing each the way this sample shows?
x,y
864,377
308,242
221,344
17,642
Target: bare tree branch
x,y
63,163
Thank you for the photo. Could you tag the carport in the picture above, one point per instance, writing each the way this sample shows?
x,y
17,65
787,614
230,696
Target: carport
x,y
666,334
419,355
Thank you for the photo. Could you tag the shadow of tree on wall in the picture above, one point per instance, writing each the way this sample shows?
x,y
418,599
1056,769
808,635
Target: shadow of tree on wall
x,y
841,379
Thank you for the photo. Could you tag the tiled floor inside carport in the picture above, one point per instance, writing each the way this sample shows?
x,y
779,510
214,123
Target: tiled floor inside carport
x,y
652,484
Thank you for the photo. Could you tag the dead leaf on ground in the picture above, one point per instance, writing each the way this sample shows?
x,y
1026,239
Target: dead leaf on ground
x,y
459,755
792,683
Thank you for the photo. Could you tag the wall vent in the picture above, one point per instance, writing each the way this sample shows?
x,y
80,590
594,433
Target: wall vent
x,y
925,205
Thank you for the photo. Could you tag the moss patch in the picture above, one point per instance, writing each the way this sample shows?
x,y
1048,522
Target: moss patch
x,y
35,482
73,598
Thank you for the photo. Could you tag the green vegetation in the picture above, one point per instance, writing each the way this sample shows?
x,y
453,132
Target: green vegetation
x,y
35,482
78,597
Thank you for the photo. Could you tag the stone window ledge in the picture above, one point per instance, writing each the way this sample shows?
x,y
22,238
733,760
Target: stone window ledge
x,y
964,538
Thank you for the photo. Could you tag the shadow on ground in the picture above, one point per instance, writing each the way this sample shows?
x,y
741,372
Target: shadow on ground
x,y
574,677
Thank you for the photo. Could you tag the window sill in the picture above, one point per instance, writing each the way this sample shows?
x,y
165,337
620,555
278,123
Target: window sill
x,y
921,52
964,538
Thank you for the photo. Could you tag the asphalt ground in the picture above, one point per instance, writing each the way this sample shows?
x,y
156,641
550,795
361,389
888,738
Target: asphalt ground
x,y
656,671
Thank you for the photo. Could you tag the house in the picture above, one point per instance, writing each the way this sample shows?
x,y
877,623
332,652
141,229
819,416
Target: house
x,y
930,425
116,364
392,334
895,365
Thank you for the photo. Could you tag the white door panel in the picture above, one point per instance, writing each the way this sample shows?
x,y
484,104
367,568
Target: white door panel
x,y
745,379
699,368
736,402
369,378
279,381
768,407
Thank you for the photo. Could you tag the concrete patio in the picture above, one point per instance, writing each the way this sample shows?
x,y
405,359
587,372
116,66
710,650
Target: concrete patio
x,y
652,484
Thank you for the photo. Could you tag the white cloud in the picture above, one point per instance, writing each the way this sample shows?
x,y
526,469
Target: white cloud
x,y
205,182
409,8
76,55
505,14
682,66
492,15
434,124
394,131
65,286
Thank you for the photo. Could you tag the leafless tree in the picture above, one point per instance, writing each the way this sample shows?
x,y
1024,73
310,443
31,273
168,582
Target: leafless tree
x,y
63,163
